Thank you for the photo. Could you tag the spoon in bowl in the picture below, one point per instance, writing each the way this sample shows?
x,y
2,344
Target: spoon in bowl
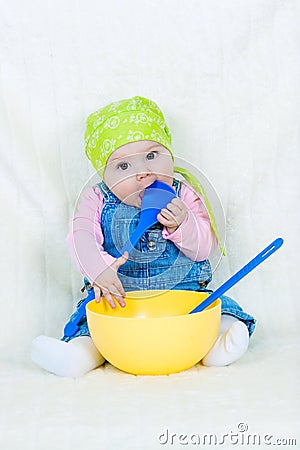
x,y
262,256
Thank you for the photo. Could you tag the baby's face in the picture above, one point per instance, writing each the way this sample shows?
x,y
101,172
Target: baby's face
x,y
134,166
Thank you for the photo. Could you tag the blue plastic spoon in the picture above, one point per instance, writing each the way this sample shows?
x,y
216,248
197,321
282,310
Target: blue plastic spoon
x,y
262,256
72,326
156,197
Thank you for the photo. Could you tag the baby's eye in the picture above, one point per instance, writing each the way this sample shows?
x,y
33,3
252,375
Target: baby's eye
x,y
123,166
151,155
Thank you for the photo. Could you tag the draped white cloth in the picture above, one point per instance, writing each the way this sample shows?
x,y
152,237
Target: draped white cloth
x,y
226,75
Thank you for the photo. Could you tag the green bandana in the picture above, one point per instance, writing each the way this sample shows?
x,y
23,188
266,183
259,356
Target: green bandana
x,y
130,120
134,119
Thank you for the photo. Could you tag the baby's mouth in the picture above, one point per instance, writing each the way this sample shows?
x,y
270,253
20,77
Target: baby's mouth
x,y
142,192
140,197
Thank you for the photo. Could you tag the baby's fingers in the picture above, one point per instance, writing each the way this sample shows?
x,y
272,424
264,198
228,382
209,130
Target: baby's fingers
x,y
97,292
163,220
113,294
108,297
119,293
121,260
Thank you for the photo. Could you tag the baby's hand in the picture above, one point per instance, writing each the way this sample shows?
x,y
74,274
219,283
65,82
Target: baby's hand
x,y
173,215
109,284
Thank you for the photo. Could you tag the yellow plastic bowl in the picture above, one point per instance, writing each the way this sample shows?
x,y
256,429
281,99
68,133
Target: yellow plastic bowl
x,y
154,334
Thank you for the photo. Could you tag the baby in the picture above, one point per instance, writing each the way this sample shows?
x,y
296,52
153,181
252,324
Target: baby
x,y
129,145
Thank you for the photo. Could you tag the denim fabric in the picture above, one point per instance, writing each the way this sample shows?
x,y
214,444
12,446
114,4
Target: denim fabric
x,y
155,262
232,308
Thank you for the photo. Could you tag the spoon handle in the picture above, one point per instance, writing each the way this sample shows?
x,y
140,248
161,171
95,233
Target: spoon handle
x,y
240,274
138,232
72,327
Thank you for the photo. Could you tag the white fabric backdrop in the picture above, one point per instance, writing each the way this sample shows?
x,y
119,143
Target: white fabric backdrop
x,y
226,75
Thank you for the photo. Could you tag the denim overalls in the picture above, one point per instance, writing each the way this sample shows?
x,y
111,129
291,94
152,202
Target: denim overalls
x,y
155,262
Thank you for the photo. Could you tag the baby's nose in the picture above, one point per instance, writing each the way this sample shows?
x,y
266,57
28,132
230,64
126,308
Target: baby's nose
x,y
142,175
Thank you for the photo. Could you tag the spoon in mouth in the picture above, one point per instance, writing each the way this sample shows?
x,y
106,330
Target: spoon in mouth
x,y
155,197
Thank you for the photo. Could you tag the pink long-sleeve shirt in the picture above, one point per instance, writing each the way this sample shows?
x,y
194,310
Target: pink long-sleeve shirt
x,y
194,237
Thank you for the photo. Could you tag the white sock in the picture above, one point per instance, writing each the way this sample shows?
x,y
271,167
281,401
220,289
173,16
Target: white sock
x,y
66,359
231,344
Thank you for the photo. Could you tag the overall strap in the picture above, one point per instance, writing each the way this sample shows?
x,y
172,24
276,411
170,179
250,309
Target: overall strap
x,y
108,196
